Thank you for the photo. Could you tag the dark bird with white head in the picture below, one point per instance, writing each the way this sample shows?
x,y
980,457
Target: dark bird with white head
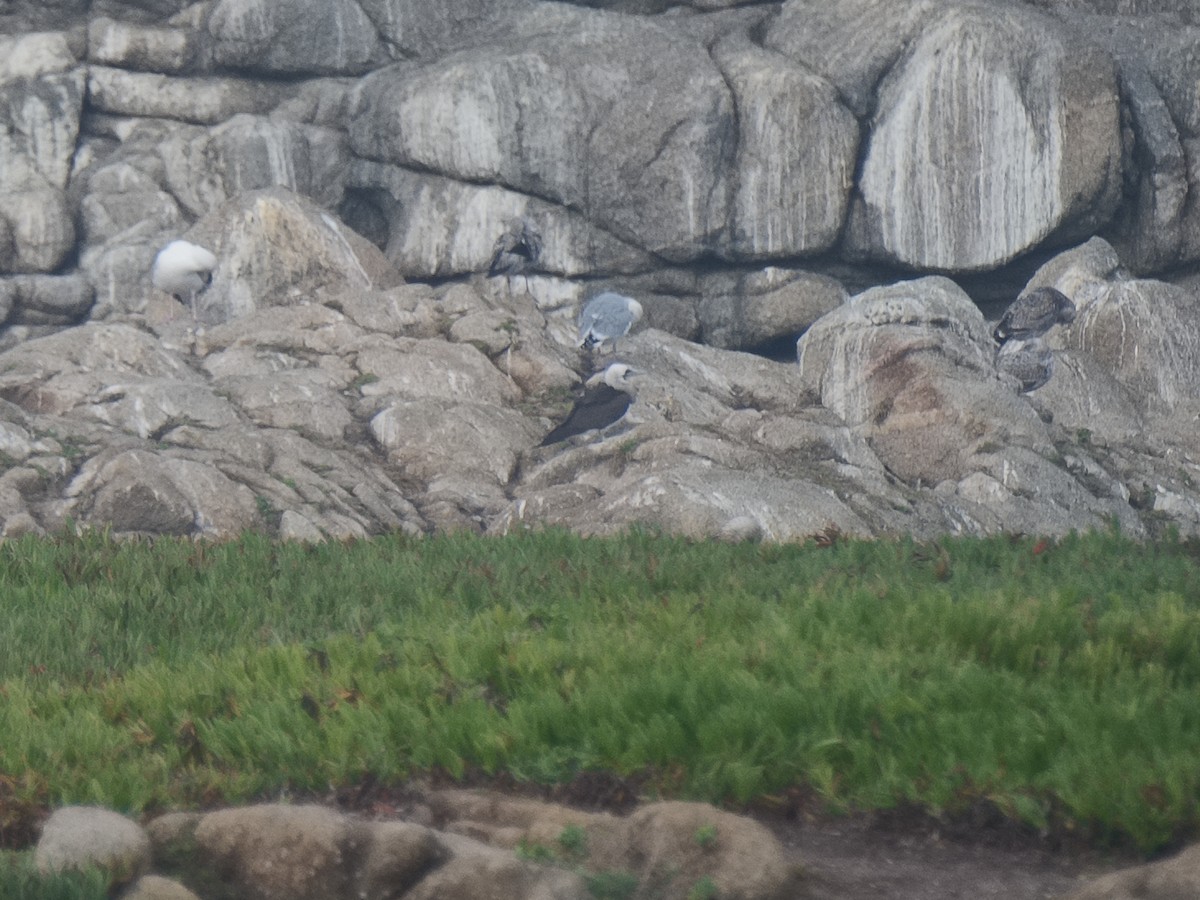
x,y
183,270
606,398
1033,314
517,251
607,317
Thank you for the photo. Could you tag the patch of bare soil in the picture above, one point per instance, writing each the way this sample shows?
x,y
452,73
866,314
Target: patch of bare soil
x,y
898,855
857,859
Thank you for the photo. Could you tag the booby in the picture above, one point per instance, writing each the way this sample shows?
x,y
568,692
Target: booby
x,y
607,317
606,398
517,251
1029,361
1033,314
183,270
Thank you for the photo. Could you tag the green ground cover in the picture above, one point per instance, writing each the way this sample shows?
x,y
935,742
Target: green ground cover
x,y
1058,680
20,880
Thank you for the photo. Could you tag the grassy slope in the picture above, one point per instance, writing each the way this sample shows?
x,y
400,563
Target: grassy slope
x,y
1055,679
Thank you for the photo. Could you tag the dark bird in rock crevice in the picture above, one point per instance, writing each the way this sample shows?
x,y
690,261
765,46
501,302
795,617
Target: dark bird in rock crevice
x,y
1029,361
1033,314
606,398
517,251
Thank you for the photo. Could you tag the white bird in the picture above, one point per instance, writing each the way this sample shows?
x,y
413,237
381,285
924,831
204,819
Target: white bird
x,y
1029,361
183,270
606,398
1033,314
607,317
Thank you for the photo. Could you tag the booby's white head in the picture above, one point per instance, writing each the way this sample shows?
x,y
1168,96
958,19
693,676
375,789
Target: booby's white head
x,y
182,269
615,376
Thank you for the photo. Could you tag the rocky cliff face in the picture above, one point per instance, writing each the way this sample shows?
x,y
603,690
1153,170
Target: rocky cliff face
x,y
741,169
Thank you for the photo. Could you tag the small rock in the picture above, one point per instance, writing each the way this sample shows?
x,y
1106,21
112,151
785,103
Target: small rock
x,y
78,837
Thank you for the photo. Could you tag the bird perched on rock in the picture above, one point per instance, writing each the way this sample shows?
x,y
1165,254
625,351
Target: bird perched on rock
x,y
517,251
607,317
1029,361
183,270
1033,314
606,398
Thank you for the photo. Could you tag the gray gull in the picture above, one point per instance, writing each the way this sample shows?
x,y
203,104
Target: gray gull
x,y
607,317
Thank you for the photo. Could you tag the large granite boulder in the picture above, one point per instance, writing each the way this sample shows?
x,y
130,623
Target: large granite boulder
x,y
290,36
618,117
944,189
797,148
41,102
912,369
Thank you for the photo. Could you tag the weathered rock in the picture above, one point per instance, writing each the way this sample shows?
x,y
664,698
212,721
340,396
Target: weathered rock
x,y
1152,229
155,887
271,851
308,36
1177,878
141,48
274,249
910,367
56,373
397,856
77,837
201,100
504,821
205,167
773,306
121,199
49,299
669,848
304,852
851,43
439,226
796,152
40,230
1147,335
914,359
680,845
939,192
41,100
410,369
307,400
33,55
618,117
477,872
419,434
414,28
137,491
682,457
